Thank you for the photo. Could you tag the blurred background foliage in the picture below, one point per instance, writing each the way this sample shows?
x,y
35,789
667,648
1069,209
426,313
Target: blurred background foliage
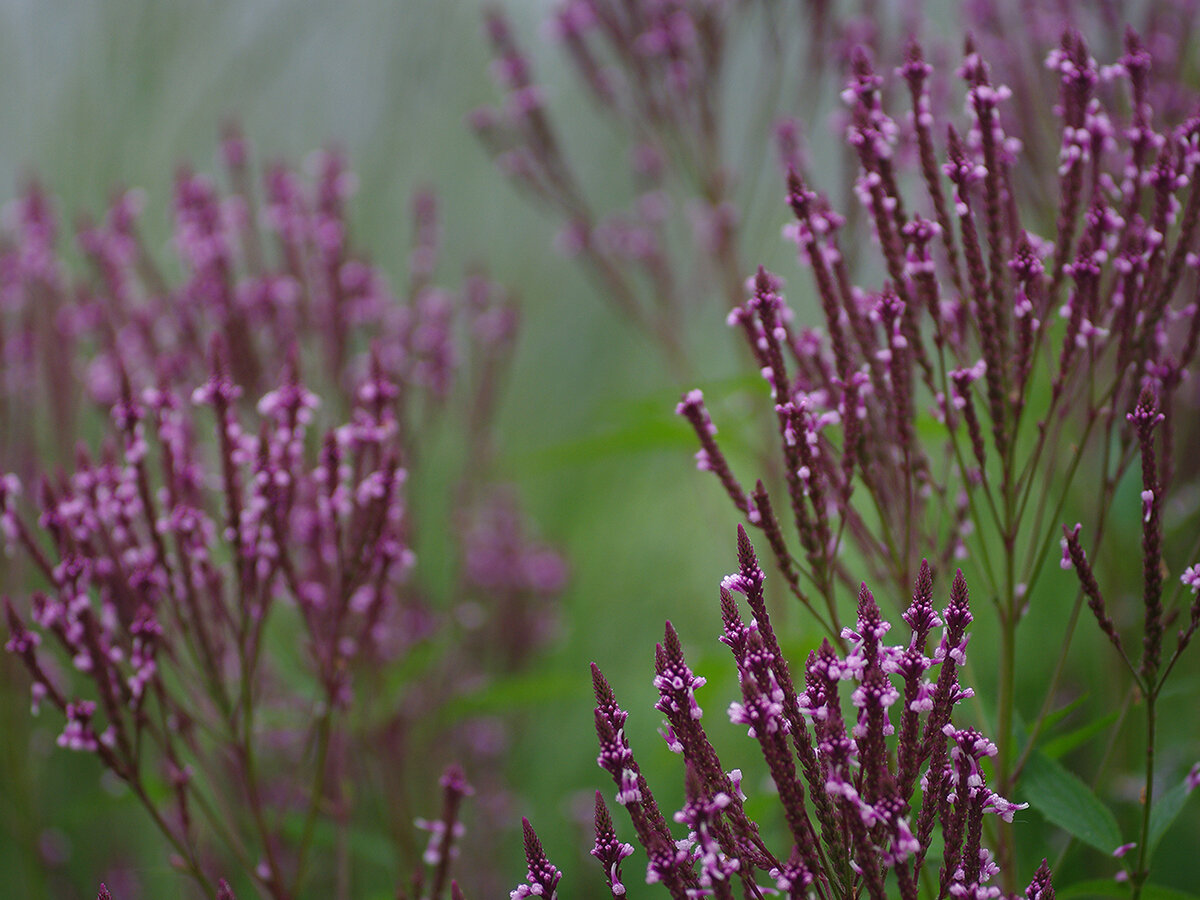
x,y
118,93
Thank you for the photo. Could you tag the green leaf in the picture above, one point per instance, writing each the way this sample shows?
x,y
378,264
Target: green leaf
x,y
514,692
1110,887
1060,746
1165,811
1068,803
1094,887
1057,715
642,437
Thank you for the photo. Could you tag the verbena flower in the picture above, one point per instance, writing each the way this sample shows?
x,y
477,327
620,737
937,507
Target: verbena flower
x,y
659,75
179,545
847,792
979,382
976,331
174,565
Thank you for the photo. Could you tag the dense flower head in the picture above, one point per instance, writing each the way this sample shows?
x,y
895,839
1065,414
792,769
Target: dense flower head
x,y
608,849
542,879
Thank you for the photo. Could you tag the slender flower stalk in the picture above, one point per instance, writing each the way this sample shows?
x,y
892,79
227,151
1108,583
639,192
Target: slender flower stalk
x,y
1148,424
660,75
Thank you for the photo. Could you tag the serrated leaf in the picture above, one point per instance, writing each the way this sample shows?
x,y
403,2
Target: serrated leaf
x,y
1058,747
1070,804
1164,812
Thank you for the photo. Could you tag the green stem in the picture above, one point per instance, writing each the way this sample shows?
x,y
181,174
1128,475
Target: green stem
x,y
324,732
186,853
1142,872
274,881
1004,725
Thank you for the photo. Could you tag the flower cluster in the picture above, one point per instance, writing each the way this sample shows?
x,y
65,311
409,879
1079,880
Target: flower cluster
x,y
271,268
657,73
980,382
980,313
847,791
218,525
167,571
274,275
1017,43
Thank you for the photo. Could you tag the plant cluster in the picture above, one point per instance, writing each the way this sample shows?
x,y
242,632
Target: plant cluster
x,y
844,791
1026,349
233,618
227,600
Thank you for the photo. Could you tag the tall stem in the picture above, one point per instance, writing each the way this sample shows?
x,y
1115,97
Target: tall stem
x,y
1010,615
1143,863
1004,724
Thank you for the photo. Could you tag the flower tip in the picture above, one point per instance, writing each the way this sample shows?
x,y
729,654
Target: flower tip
x,y
1123,849
1193,778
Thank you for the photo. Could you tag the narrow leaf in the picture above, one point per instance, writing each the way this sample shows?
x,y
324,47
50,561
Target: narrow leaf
x,y
1060,746
1164,812
1118,890
1057,715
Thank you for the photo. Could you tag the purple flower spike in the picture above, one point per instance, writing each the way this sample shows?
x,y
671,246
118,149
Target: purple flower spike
x,y
921,616
608,850
1074,556
617,759
709,457
675,682
446,832
701,815
1041,888
542,878
736,632
1145,419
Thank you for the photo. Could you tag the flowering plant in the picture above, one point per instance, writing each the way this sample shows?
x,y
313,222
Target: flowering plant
x,y
975,332
969,381
166,576
844,793
235,589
